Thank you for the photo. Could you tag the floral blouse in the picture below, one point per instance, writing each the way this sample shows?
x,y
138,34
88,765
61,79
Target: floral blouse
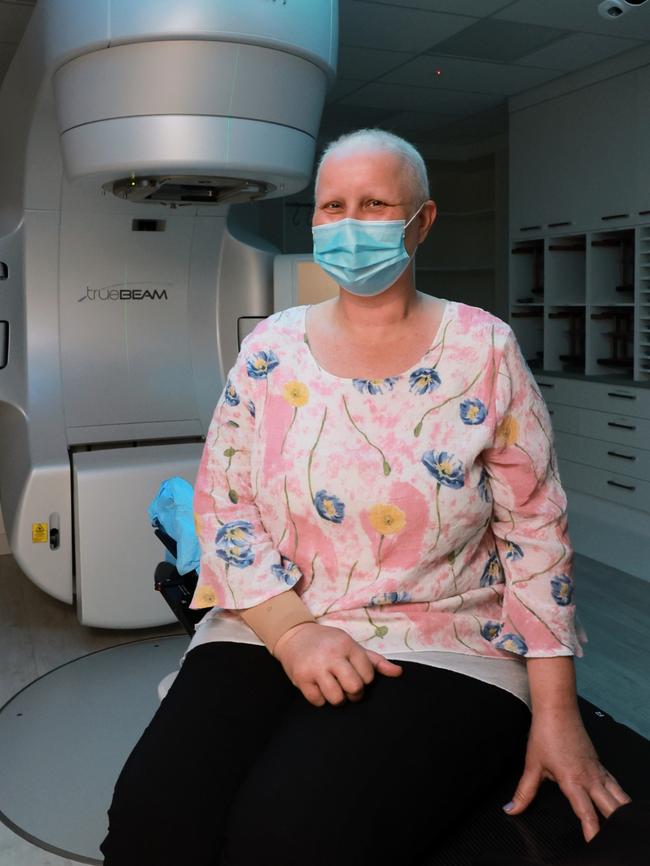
x,y
422,511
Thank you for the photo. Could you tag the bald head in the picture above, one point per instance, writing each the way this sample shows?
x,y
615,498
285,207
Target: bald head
x,y
406,157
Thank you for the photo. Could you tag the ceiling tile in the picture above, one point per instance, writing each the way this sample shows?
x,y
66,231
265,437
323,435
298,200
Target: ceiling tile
x,y
577,51
416,121
342,87
364,64
359,115
458,7
579,15
374,25
13,20
468,75
338,119
399,98
503,41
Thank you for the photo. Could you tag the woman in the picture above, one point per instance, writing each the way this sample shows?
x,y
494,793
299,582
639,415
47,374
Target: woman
x,y
378,486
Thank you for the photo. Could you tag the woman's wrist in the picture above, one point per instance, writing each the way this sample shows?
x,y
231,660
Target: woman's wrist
x,y
273,618
286,637
552,686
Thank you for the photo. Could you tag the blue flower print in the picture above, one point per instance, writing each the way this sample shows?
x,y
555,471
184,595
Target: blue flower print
x,y
513,551
513,643
260,364
491,629
233,543
473,411
251,407
423,380
329,507
289,573
445,468
483,485
237,532
492,573
374,386
390,598
230,395
562,589
233,554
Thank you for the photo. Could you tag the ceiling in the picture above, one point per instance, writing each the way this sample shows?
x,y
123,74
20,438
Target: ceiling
x,y
441,70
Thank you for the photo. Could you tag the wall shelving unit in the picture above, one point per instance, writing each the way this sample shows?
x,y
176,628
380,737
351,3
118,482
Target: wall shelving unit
x,y
580,303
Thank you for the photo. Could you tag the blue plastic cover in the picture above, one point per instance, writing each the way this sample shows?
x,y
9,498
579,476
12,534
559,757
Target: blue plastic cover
x,y
173,510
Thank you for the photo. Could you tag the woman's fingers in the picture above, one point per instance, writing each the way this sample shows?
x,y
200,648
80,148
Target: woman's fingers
x,y
582,805
525,793
349,679
361,663
331,688
383,665
605,801
313,694
616,791
607,794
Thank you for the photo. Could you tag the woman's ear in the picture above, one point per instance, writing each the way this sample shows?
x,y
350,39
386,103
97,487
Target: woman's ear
x,y
426,219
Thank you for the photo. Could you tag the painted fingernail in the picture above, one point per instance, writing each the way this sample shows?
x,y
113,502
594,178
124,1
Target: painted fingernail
x,y
509,806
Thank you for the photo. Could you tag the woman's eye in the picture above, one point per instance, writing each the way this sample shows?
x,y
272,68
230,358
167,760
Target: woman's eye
x,y
332,205
375,202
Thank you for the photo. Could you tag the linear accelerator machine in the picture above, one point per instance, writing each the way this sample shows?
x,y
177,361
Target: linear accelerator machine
x,y
128,128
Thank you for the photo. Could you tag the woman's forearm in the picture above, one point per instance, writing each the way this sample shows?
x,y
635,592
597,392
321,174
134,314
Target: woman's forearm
x,y
552,685
273,618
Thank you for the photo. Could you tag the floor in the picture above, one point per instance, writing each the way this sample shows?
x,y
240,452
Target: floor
x,y
38,633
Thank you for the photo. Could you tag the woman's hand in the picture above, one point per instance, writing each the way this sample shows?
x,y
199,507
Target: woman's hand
x,y
559,749
327,665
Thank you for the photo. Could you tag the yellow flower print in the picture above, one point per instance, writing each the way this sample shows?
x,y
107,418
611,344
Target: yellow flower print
x,y
296,393
387,519
205,597
507,431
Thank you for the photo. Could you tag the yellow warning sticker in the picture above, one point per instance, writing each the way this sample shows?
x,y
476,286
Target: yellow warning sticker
x,y
39,533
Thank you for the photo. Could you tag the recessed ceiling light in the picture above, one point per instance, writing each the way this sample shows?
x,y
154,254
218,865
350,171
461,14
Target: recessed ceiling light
x,y
612,9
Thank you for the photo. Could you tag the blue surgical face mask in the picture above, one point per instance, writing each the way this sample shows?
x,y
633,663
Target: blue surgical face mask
x,y
365,257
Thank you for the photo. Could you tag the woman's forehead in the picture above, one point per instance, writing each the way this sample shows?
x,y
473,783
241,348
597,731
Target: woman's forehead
x,y
365,171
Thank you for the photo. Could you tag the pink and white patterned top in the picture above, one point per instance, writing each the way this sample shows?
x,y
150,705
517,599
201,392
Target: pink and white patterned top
x,y
418,512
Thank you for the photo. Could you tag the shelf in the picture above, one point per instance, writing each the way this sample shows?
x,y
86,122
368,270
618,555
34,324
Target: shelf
x,y
448,270
611,242
596,303
621,363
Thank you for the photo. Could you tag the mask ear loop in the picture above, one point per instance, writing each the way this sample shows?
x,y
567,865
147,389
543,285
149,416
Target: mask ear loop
x,y
406,225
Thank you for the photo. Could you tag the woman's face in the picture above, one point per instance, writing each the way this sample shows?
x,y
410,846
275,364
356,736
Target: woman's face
x,y
370,185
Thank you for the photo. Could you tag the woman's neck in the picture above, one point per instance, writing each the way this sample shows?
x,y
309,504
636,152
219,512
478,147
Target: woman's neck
x,y
385,312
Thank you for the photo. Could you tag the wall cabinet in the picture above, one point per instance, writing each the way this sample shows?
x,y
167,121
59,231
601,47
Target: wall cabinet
x,y
641,153
575,160
580,300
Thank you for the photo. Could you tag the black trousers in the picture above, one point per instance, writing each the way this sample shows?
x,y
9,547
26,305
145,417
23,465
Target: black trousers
x,y
238,769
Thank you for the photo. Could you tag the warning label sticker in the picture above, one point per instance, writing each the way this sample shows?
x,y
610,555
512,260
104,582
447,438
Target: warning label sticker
x,y
39,533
